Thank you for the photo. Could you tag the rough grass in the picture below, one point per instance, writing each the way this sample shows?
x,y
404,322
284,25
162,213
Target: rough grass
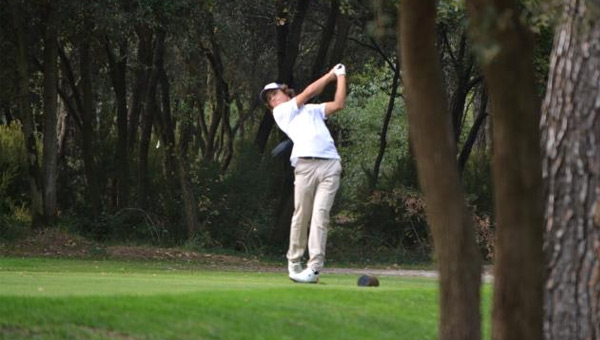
x,y
86,299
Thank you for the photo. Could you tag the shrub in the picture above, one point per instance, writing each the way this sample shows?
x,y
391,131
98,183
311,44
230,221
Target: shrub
x,y
13,169
477,181
12,229
236,207
389,226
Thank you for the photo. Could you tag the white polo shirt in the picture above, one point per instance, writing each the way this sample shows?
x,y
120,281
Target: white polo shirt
x,y
306,127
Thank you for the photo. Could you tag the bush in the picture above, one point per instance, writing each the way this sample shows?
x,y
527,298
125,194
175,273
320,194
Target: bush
x,y
236,208
390,226
477,181
12,229
13,169
130,225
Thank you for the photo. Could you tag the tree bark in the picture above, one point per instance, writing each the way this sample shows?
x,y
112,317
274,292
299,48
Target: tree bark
x,y
385,126
282,29
507,64
286,72
176,159
571,170
288,41
50,145
462,62
221,110
138,92
27,120
341,36
326,37
149,114
73,102
88,133
431,128
473,133
118,75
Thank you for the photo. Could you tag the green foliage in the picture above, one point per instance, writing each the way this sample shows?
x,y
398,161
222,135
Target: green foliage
x,y
389,226
12,228
540,15
128,225
14,212
361,122
451,10
13,168
477,181
235,207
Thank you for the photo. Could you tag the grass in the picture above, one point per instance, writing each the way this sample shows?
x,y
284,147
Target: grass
x,y
87,299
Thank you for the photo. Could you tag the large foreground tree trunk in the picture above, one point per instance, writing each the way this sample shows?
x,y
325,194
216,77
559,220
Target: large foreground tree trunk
x,y
431,128
508,69
571,168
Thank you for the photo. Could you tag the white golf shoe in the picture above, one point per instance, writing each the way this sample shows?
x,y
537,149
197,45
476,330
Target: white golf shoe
x,y
306,276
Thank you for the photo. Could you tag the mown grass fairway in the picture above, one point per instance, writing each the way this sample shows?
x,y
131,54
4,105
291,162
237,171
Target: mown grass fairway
x,y
86,299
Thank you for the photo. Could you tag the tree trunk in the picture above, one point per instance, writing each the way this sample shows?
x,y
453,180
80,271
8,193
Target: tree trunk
x,y
148,117
326,36
288,41
73,102
282,29
286,72
474,132
221,110
138,92
228,138
508,69
28,124
50,145
571,168
384,127
88,133
177,164
284,207
118,75
342,31
462,62
431,128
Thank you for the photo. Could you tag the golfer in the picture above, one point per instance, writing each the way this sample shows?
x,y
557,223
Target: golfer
x,y
316,163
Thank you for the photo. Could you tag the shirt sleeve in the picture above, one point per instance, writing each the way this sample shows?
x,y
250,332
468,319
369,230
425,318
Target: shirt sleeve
x,y
321,110
283,114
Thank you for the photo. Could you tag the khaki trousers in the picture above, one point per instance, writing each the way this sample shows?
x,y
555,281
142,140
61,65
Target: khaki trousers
x,y
315,185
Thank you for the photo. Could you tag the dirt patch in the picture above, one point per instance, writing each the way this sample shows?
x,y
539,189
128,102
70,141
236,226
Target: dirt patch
x,y
49,242
56,243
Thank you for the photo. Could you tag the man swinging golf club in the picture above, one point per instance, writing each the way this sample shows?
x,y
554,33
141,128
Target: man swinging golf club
x,y
316,163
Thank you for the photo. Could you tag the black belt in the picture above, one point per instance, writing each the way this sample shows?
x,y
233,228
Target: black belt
x,y
315,158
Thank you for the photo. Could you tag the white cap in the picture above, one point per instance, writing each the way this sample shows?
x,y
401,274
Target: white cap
x,y
268,87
